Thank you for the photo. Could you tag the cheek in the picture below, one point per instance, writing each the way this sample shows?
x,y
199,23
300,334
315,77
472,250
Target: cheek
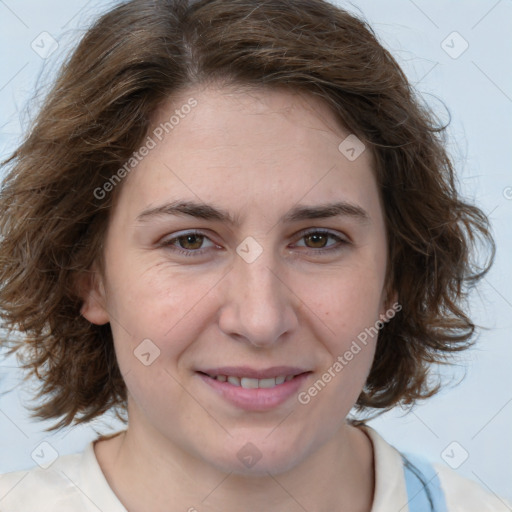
x,y
345,306
345,311
158,303
344,302
154,325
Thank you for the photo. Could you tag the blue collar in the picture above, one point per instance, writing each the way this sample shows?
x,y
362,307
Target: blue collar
x,y
424,492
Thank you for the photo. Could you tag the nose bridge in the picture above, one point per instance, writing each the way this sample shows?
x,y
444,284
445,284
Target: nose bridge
x,y
260,286
259,305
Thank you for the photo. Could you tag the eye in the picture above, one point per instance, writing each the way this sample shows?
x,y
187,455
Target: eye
x,y
188,244
317,240
191,243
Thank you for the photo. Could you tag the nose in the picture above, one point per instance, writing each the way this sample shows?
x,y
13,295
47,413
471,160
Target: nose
x,y
259,304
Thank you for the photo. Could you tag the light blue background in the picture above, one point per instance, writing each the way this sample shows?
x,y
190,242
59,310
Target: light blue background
x,y
476,87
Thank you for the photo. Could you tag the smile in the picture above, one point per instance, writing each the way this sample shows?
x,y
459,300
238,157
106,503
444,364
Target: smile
x,y
254,390
249,383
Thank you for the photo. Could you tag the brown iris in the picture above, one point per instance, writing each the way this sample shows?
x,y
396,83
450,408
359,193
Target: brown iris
x,y
195,241
317,238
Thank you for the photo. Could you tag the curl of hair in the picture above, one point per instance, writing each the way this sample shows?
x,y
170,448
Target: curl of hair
x,y
98,112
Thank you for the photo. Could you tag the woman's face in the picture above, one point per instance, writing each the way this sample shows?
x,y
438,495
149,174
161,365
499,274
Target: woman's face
x,y
247,243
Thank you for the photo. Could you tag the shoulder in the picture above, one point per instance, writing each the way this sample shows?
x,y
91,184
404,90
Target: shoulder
x,y
396,483
465,495
73,482
42,489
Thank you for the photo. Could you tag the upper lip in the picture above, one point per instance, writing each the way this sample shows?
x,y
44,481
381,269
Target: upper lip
x,y
253,373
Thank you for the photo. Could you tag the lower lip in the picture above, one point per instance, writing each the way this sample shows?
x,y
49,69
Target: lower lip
x,y
259,399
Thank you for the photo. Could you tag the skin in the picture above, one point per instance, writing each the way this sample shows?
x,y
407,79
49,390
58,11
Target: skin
x,y
256,154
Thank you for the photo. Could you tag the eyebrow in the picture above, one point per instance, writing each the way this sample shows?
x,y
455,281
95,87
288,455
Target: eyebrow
x,y
298,213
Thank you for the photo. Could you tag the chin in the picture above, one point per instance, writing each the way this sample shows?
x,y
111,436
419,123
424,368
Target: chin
x,y
268,464
253,456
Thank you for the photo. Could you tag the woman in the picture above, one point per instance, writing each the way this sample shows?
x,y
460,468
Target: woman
x,y
232,223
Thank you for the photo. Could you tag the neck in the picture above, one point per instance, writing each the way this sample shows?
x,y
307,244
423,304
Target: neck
x,y
148,473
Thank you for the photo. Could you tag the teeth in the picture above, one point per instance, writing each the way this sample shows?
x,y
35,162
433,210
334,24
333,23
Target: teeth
x,y
234,380
248,383
266,383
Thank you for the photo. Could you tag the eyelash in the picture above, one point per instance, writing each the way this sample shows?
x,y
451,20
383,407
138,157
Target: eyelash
x,y
169,243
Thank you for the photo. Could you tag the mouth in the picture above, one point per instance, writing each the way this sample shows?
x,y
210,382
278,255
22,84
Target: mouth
x,y
254,390
251,383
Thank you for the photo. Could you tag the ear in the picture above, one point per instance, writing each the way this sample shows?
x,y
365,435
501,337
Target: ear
x,y
91,289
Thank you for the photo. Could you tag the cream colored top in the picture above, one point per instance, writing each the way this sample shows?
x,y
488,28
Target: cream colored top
x,y
75,483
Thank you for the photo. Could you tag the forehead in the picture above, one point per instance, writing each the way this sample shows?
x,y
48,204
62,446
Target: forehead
x,y
247,146
237,111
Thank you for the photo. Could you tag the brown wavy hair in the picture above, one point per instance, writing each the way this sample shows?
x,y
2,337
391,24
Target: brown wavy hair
x,y
98,112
